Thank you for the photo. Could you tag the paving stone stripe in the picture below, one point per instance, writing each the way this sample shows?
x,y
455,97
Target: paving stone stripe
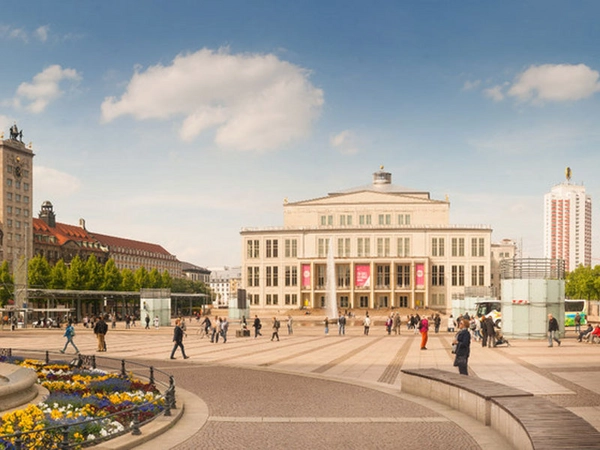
x,y
328,419
305,352
391,372
341,359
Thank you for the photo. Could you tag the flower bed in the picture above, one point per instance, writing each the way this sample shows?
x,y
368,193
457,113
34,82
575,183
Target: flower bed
x,y
93,404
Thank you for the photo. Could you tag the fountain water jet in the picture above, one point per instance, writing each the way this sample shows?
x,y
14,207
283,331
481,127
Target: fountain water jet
x,y
330,296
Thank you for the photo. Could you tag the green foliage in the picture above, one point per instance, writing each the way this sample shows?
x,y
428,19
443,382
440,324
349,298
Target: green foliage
x,y
142,278
167,281
128,280
94,274
58,275
76,275
583,283
154,279
39,272
112,277
7,284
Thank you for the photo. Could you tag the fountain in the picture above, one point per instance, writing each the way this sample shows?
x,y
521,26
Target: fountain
x,y
331,308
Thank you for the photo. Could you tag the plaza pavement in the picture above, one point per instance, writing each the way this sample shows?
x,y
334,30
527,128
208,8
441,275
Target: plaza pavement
x,y
312,390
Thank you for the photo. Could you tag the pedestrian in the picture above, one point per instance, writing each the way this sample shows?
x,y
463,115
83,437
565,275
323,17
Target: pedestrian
x,y
147,322
127,322
70,334
388,325
451,324
205,326
290,325
552,330
224,329
577,322
342,325
437,320
257,326
178,334
156,322
397,323
417,323
366,324
114,320
275,329
214,337
484,333
326,325
462,341
100,330
490,330
424,330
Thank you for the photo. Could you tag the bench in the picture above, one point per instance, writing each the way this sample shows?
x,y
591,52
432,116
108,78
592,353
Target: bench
x,y
526,421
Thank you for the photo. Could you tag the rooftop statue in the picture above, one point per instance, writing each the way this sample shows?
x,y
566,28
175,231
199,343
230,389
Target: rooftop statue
x,y
15,134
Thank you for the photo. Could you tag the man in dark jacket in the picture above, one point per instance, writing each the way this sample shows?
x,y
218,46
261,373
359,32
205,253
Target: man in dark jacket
x,y
552,330
100,330
178,339
490,330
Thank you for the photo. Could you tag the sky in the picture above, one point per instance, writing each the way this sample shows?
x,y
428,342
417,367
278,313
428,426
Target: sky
x,y
179,123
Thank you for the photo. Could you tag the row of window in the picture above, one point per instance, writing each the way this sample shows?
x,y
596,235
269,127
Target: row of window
x,y
17,211
17,184
344,300
24,172
382,276
364,247
17,197
273,299
346,220
16,223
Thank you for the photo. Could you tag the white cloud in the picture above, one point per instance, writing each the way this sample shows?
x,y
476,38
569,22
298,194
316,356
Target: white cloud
x,y
9,32
551,82
55,184
44,88
344,142
254,102
42,33
495,93
470,85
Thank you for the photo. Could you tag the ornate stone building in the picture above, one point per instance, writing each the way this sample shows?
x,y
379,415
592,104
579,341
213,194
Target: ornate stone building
x,y
393,247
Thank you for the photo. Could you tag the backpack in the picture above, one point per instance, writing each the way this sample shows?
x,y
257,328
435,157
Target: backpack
x,y
277,324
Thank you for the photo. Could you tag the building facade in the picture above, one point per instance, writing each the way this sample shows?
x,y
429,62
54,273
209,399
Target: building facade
x,y
568,224
393,247
505,249
224,282
16,199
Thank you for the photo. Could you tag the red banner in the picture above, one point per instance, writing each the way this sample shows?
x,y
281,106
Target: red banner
x,y
420,276
306,275
362,275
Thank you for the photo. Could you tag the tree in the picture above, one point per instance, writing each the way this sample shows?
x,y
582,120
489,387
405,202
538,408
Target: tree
x,y
94,274
580,283
7,284
142,279
39,272
167,281
127,280
76,275
58,275
112,277
154,279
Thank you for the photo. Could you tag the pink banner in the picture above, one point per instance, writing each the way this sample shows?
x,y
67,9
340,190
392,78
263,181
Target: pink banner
x,y
362,275
306,275
420,276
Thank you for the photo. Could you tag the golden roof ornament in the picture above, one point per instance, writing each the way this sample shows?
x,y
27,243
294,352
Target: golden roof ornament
x,y
568,174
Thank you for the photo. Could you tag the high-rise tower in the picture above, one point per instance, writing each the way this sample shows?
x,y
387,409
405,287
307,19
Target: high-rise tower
x,y
568,224
16,197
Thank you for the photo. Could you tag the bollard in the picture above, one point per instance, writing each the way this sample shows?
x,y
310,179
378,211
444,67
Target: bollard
x,y
64,444
123,372
135,427
172,391
47,357
151,375
18,442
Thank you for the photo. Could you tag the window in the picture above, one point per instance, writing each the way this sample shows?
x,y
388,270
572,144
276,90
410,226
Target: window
x,y
344,303
291,299
403,301
291,276
25,186
17,211
322,247
437,275
9,209
8,182
17,197
458,275
383,276
403,275
437,247
253,276
321,275
364,247
477,275
385,219
383,247
272,275
291,248
363,301
458,246
403,219
343,275
252,248
343,249
9,195
481,247
272,250
345,219
364,219
403,246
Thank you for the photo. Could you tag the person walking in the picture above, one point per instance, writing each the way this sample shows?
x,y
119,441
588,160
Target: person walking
x,y
156,322
342,325
424,330
147,327
178,339
70,334
577,322
490,330
552,330
100,330
326,325
366,324
290,325
462,341
224,329
275,329
257,326
214,337
397,323
451,324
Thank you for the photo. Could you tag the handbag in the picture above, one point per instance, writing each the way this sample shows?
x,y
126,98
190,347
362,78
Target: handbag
x,y
454,347
460,360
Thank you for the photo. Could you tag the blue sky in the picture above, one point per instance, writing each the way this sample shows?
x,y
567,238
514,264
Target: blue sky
x,y
181,122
